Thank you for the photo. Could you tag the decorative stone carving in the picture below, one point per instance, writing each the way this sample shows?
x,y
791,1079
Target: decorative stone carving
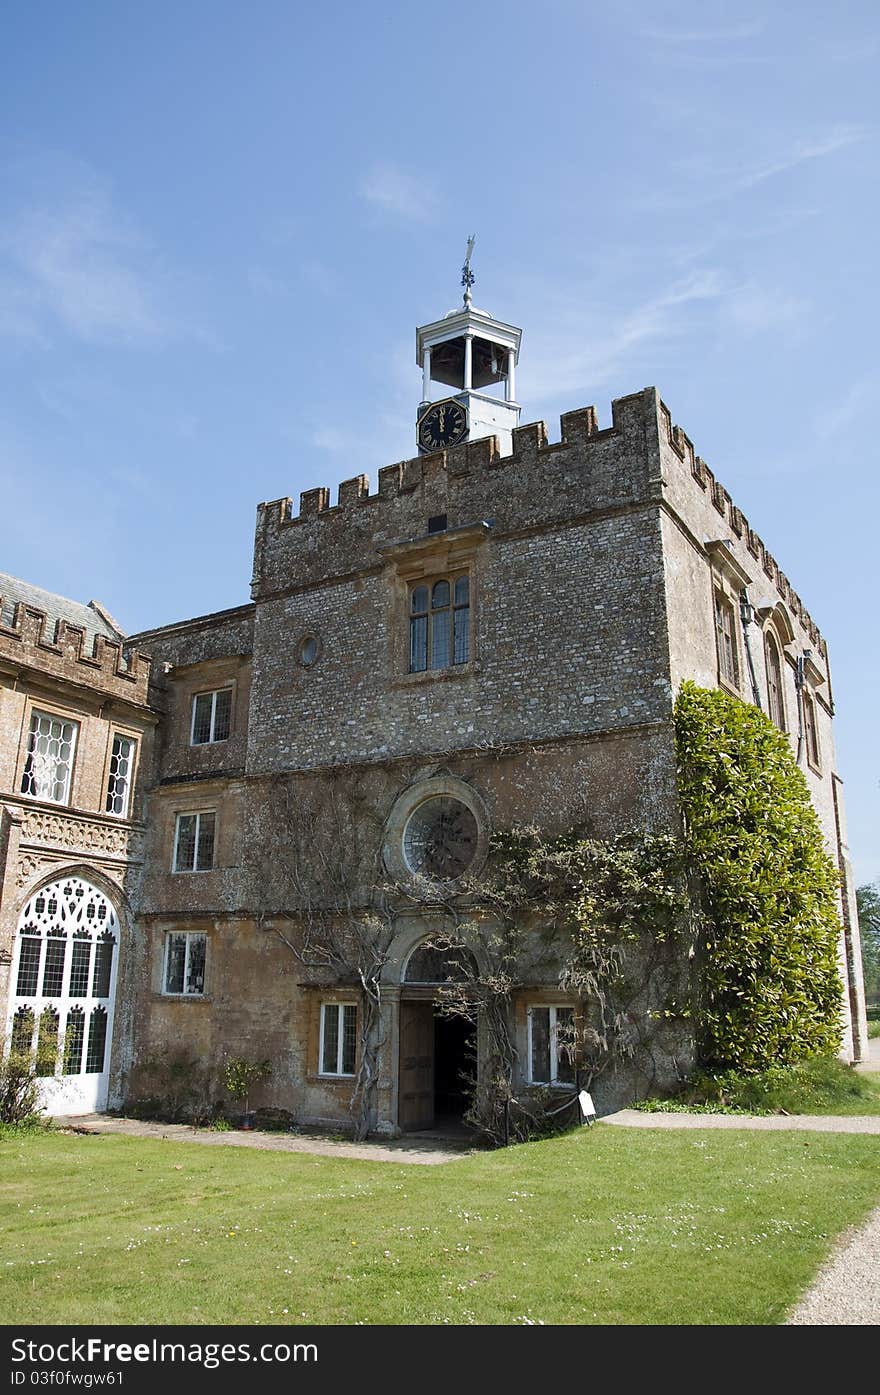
x,y
84,834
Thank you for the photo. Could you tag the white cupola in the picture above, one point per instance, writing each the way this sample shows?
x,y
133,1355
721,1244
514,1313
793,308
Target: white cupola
x,y
472,353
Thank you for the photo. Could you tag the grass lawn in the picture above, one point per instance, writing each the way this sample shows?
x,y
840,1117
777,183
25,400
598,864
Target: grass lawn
x,y
605,1225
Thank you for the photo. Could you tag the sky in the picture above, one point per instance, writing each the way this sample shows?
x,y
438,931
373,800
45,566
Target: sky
x,y
220,224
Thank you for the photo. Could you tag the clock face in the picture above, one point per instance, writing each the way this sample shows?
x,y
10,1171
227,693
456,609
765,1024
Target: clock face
x,y
443,424
440,838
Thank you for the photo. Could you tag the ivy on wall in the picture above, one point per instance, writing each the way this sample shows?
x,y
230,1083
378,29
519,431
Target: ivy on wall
x,y
770,985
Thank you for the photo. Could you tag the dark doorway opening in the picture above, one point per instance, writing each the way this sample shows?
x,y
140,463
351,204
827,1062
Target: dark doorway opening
x,y
455,1064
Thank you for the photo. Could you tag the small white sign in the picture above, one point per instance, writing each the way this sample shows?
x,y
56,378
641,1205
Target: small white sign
x,y
588,1109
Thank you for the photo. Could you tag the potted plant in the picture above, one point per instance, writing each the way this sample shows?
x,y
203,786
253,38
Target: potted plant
x,y
240,1075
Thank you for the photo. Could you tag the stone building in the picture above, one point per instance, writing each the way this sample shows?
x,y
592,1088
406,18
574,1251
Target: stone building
x,y
76,732
493,637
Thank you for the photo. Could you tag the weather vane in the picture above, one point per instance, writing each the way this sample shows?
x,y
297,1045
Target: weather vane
x,y
467,276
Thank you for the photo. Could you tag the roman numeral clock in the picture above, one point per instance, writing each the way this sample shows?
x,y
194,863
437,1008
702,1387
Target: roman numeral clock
x,y
475,355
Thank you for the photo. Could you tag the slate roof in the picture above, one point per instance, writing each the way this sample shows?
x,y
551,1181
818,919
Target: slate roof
x,y
92,618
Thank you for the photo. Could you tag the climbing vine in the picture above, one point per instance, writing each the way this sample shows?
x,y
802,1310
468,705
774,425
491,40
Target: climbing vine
x,y
770,990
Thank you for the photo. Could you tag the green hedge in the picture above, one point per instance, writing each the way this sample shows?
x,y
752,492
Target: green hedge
x,y
770,989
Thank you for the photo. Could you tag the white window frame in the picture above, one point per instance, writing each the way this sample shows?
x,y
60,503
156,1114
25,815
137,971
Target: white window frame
x,y
339,1006
196,814
129,779
187,935
212,693
35,714
553,1009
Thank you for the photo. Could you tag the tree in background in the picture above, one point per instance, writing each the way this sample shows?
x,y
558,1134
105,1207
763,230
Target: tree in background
x,y
868,901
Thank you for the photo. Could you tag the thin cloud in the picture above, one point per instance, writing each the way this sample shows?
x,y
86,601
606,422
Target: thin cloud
x,y
71,262
399,194
716,184
559,365
738,32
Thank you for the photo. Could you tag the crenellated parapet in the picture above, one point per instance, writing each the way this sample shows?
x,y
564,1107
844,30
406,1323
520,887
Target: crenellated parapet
x,y
538,481
738,524
59,648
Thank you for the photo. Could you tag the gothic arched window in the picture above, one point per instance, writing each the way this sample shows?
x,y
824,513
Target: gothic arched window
x,y
439,623
775,690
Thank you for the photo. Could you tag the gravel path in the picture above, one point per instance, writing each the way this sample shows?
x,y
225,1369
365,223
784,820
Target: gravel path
x,y
425,1152
821,1123
846,1292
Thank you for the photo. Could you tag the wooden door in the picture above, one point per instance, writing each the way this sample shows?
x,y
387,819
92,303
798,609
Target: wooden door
x,y
416,1084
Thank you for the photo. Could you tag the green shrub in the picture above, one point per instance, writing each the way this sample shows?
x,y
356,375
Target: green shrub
x,y
819,1085
770,990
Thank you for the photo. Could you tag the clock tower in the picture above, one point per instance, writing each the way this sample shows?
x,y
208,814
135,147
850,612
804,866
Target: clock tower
x,y
475,355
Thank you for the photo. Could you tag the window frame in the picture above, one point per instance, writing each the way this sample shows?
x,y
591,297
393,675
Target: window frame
x,y
197,814
812,747
723,607
188,936
453,609
341,1006
213,694
771,645
119,734
554,1083
33,714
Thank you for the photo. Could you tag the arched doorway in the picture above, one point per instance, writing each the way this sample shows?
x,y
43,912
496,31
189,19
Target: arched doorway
x,y
64,984
438,1056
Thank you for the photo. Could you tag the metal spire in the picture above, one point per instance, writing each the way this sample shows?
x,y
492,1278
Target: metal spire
x,y
467,276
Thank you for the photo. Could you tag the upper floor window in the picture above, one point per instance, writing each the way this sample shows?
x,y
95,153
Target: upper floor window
x,y
775,691
725,636
49,762
184,970
551,1045
811,732
194,842
211,715
439,623
120,775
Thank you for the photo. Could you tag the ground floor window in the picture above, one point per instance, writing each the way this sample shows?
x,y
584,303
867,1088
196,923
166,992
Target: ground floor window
x,y
185,954
338,1038
551,1045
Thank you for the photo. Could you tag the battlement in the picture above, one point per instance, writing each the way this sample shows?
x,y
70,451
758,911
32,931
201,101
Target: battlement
x,y
60,647
706,480
530,446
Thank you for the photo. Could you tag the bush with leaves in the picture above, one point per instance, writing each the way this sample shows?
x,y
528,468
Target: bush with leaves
x,y
768,891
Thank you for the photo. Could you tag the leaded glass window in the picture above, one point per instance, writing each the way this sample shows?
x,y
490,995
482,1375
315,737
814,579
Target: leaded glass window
x,y
725,633
194,842
185,953
551,1045
338,1038
119,778
49,760
775,698
211,716
439,625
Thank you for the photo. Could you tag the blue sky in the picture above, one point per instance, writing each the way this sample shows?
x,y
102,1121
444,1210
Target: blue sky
x,y
220,224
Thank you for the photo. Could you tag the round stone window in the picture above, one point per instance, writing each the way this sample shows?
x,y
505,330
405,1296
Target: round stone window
x,y
309,650
440,838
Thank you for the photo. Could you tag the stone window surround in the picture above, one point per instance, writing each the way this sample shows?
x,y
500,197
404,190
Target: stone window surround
x,y
439,784
337,1002
199,692
164,990
541,1003
189,813
130,734
433,557
728,581
63,714
814,756
772,644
